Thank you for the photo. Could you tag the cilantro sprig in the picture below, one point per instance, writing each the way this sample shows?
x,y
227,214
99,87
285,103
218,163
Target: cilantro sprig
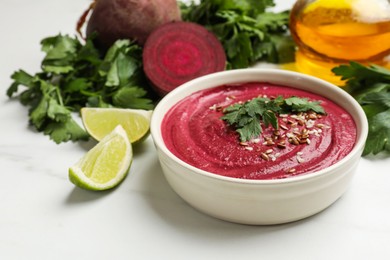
x,y
370,86
248,32
75,75
247,118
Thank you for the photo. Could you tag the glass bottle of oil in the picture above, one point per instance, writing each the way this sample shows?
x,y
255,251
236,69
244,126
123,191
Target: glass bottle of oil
x,y
333,32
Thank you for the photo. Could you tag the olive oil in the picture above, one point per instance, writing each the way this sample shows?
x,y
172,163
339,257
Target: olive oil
x,y
333,32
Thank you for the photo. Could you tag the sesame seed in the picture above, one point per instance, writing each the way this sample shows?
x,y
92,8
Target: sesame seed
x,y
296,132
273,157
256,140
284,127
281,144
309,123
289,135
213,107
293,140
264,156
291,170
300,159
303,140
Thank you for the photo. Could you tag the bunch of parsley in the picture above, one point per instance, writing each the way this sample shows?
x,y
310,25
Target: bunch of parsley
x,y
248,32
370,86
75,75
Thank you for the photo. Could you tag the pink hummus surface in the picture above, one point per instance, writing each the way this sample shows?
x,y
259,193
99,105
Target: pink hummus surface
x,y
194,131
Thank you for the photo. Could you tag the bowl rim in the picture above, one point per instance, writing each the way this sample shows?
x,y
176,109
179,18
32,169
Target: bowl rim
x,y
155,128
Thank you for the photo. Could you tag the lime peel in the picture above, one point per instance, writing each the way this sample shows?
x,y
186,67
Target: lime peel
x,y
98,122
106,164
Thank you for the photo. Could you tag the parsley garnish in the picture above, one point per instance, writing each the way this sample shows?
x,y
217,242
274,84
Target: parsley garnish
x,y
75,75
370,86
247,31
247,118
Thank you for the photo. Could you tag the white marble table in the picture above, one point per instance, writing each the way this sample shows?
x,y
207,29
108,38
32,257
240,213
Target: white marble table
x,y
43,216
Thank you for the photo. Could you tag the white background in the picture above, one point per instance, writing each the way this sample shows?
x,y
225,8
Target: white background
x,y
43,216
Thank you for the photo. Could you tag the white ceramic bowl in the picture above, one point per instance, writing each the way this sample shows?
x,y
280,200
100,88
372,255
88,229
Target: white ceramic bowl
x,y
259,202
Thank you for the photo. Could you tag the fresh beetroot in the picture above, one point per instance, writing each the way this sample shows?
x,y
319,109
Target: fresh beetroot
x,y
129,19
180,51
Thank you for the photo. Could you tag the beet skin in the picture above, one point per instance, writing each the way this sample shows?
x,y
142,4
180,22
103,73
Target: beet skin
x,y
129,19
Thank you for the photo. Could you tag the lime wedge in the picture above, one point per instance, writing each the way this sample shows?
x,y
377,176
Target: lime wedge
x,y
106,164
100,121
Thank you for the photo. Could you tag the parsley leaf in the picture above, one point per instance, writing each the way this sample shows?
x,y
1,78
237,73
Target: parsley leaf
x,y
303,104
65,131
132,97
247,31
379,133
359,76
75,75
370,86
247,117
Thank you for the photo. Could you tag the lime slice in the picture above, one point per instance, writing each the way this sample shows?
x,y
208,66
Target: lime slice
x,y
106,164
100,121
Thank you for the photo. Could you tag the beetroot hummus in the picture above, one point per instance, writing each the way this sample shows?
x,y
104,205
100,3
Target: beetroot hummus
x,y
304,142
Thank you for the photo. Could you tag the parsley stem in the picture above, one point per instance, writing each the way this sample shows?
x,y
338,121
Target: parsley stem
x,y
59,96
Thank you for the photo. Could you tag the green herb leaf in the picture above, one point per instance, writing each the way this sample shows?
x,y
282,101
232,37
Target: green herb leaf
x,y
303,104
270,118
20,78
248,32
64,131
75,75
370,86
38,115
132,95
234,113
251,128
60,52
378,139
